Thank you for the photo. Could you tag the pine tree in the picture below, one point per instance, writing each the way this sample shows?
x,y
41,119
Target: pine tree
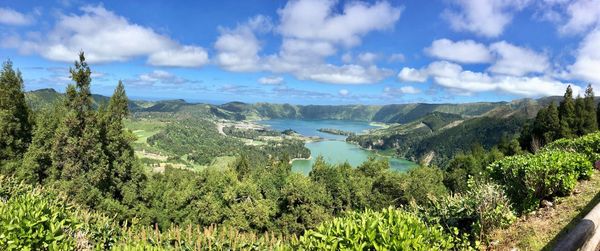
x,y
37,161
580,115
15,121
124,170
567,114
547,124
77,151
590,123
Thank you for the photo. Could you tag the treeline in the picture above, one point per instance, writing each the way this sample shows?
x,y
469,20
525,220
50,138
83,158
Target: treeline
x,y
572,118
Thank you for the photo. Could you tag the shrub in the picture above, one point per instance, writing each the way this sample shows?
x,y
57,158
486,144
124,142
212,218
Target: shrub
x,y
482,208
389,229
32,221
527,179
588,144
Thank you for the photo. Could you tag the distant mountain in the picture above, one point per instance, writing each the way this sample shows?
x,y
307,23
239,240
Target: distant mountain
x,y
44,97
394,113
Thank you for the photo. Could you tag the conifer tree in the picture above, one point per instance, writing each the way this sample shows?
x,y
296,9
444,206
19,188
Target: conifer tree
x,y
117,143
590,123
580,115
77,151
547,124
15,122
567,114
37,161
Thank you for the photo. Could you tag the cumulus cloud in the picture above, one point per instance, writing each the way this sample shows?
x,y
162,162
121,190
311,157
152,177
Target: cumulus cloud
x,y
317,20
272,80
107,37
582,15
483,17
506,58
517,61
587,63
412,75
466,51
311,31
452,76
237,49
12,17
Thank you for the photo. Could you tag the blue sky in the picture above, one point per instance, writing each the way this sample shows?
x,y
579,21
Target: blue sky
x,y
310,51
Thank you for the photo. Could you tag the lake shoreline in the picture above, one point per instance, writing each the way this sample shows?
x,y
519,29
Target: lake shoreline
x,y
294,159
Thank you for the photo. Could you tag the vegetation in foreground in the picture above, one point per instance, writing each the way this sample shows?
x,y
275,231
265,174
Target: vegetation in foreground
x,y
69,166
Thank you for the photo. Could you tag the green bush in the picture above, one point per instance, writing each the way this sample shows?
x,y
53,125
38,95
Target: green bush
x,y
588,144
389,229
528,179
32,221
482,208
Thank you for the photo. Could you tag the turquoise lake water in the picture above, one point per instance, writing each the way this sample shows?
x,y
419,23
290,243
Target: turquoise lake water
x,y
334,148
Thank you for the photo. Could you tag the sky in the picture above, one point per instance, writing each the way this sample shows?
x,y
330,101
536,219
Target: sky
x,y
309,51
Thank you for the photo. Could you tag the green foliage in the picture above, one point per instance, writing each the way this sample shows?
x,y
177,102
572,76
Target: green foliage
x,y
347,188
482,208
390,229
37,161
471,165
424,183
15,119
567,114
589,145
32,220
528,179
590,119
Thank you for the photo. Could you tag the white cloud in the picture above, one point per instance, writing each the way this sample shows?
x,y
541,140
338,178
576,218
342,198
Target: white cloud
x,y
453,77
344,92
390,91
12,17
517,61
158,78
272,80
466,51
483,17
582,15
311,32
344,74
107,37
587,63
412,75
237,49
317,20
185,56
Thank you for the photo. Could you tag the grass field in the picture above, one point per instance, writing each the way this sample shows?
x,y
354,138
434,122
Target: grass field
x,y
143,129
540,230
